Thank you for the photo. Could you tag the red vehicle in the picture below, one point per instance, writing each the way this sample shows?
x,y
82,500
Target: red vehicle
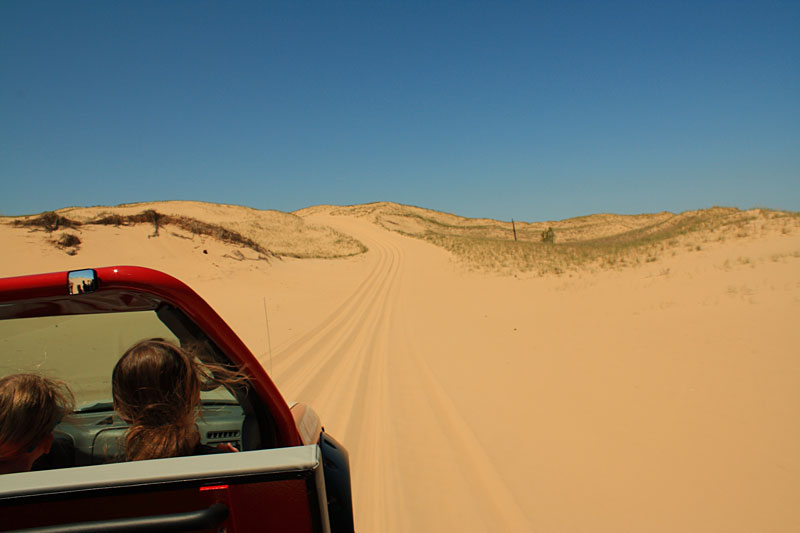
x,y
290,475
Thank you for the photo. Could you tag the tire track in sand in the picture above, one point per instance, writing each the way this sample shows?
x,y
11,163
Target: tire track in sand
x,y
295,352
340,368
375,393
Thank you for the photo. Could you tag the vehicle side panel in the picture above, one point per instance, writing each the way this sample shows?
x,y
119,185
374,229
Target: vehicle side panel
x,y
267,490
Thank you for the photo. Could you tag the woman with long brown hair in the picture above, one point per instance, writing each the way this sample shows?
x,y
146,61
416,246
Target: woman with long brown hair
x,y
30,408
156,388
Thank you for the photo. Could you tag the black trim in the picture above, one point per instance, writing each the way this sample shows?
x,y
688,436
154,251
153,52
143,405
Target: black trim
x,y
209,518
336,466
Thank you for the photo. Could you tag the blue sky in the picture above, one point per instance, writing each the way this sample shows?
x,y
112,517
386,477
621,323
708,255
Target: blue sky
x,y
531,110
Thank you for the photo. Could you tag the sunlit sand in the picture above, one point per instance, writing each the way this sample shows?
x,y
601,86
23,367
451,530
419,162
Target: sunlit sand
x,y
660,395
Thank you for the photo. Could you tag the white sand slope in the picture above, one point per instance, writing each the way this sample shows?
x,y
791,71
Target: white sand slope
x,y
657,398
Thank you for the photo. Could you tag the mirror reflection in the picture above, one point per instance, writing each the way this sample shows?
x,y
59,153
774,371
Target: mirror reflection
x,y
82,281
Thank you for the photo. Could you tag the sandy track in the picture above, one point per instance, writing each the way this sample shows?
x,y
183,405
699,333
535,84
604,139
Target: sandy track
x,y
341,367
376,393
658,398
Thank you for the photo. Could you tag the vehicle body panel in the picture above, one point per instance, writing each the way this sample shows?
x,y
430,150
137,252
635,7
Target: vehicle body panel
x,y
272,490
301,482
127,288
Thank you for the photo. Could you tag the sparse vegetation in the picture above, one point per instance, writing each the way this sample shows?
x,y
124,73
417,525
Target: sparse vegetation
x,y
269,233
194,226
68,239
110,220
69,242
590,242
48,221
152,216
597,241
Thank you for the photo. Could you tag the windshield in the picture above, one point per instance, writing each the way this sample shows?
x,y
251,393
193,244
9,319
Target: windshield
x,y
82,350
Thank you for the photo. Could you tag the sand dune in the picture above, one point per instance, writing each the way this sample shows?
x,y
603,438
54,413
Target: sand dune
x,y
268,232
657,397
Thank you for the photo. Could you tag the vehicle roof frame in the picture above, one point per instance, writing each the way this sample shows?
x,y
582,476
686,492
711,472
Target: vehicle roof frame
x,y
129,288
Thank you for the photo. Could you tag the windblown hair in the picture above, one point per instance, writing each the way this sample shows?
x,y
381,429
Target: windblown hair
x,y
156,388
30,408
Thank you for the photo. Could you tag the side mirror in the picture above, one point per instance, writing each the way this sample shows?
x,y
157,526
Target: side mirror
x,y
82,281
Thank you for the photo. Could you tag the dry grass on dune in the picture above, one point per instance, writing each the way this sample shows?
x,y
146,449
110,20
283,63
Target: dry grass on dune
x,y
269,233
588,242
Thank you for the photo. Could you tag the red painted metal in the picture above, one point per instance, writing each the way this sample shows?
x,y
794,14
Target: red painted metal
x,y
123,288
258,506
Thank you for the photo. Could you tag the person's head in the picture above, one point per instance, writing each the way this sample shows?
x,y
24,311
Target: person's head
x,y
156,388
30,408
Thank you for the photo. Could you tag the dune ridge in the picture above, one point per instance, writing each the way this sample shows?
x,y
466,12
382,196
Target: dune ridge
x,y
593,242
270,233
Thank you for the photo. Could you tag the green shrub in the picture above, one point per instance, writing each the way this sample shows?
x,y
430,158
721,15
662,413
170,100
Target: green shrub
x,y
549,235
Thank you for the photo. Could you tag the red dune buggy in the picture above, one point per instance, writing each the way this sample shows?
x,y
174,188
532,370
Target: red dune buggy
x,y
289,476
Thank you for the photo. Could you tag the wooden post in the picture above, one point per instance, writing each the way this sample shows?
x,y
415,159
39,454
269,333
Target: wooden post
x,y
514,228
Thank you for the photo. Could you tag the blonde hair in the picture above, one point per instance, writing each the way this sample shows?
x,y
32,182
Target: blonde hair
x,y
30,408
156,388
